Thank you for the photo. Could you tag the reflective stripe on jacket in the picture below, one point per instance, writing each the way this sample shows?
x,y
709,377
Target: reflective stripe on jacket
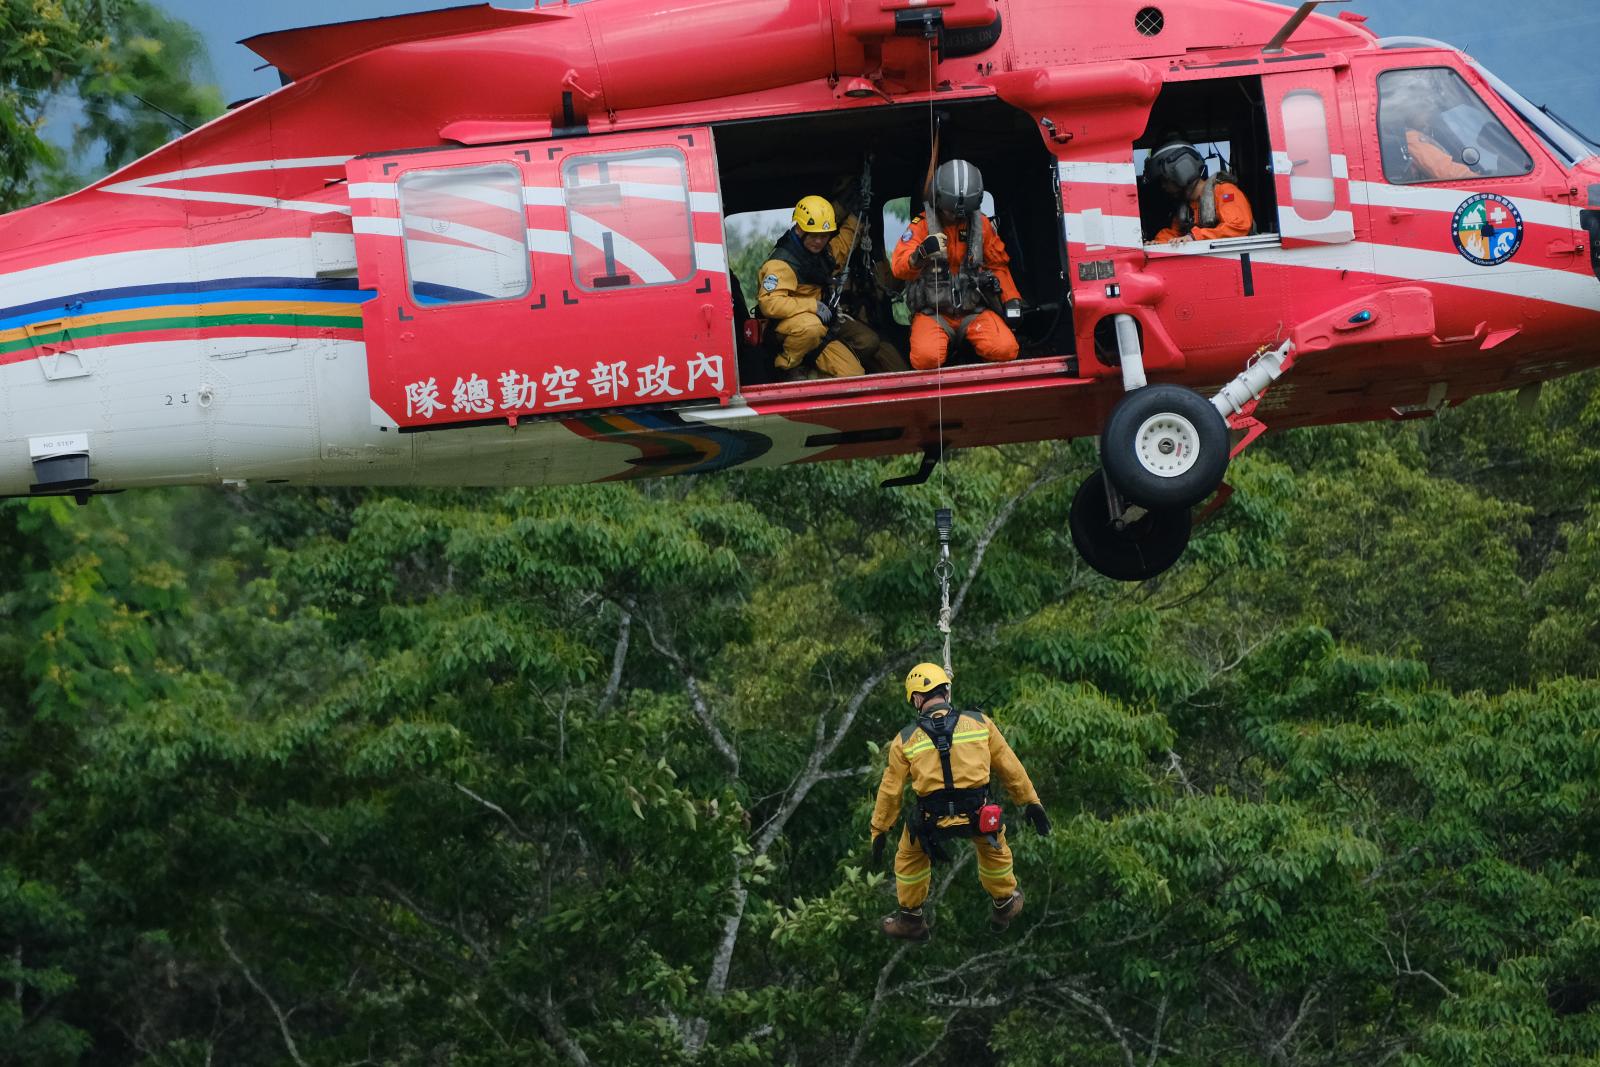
x,y
780,293
978,753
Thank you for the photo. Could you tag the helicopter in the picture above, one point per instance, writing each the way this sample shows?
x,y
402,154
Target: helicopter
x,y
489,247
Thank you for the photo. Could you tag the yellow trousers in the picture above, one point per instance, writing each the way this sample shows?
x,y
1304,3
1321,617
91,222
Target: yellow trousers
x,y
855,350
913,871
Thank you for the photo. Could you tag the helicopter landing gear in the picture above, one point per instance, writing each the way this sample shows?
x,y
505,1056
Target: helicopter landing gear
x,y
1125,541
1165,447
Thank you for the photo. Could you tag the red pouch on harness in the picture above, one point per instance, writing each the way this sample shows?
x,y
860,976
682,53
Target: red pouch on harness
x,y
989,819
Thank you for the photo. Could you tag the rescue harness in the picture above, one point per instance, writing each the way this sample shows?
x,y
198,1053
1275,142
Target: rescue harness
x,y
938,812
966,289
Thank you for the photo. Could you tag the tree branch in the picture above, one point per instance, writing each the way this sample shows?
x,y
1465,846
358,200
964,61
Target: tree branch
x,y
697,701
497,809
721,962
876,1007
822,749
1000,518
283,1020
619,656
1098,1010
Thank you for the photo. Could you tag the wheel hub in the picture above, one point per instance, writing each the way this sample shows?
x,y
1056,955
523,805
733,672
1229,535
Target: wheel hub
x,y
1167,445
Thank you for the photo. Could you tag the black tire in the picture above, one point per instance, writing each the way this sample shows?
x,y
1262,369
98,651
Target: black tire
x,y
1165,447
1141,550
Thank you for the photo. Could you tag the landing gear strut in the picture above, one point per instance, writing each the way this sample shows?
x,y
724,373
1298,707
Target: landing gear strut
x,y
1163,450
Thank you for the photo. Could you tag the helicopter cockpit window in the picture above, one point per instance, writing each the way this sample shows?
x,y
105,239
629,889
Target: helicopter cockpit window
x,y
466,238
1434,128
628,215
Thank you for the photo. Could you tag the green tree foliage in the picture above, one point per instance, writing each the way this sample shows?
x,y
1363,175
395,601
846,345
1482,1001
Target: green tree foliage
x,y
125,75
582,776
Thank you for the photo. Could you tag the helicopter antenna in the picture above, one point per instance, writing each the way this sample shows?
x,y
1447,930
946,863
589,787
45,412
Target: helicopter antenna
x,y
1275,46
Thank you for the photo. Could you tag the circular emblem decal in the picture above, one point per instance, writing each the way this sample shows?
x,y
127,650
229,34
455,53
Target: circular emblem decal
x,y
1487,229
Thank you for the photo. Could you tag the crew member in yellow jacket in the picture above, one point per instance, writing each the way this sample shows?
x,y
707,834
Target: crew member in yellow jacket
x,y
795,283
949,756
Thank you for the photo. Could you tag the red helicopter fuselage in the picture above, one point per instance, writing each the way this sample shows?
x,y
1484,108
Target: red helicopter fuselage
x,y
509,227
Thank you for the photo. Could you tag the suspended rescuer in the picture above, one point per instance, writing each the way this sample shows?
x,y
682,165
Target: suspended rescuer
x,y
798,284
960,274
949,756
1209,208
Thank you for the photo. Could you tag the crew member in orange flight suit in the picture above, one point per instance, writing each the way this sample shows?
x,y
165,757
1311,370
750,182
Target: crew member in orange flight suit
x,y
1432,163
1215,208
946,304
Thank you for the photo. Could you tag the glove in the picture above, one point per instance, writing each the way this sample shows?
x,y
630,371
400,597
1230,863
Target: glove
x,y
934,244
824,312
1013,309
1034,813
878,843
846,197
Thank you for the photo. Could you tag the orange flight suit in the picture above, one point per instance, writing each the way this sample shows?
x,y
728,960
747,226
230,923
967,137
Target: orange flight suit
x,y
1234,218
988,334
1432,163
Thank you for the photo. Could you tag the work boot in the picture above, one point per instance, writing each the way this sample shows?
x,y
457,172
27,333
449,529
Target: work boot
x,y
906,925
1004,911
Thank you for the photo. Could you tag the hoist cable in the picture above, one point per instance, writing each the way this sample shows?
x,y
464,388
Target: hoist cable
x,y
941,516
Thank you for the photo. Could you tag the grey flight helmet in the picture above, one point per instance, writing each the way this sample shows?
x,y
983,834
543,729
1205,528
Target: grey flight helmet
x,y
1176,165
957,188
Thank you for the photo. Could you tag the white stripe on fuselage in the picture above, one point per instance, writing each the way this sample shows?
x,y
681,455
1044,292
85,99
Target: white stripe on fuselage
x,y
1087,173
1406,264
158,185
273,257
1446,201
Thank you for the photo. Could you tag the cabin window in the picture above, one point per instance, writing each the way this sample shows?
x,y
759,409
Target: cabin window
x,y
1433,128
1225,119
628,216
465,234
1305,130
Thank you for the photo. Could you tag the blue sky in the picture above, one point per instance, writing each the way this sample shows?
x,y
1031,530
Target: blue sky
x,y
1542,47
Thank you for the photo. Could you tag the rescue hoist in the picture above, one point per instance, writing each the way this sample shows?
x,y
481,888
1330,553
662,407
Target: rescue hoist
x,y
942,521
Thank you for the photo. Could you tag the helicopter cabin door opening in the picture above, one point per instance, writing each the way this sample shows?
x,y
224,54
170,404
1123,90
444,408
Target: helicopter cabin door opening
x,y
767,165
1225,119
542,278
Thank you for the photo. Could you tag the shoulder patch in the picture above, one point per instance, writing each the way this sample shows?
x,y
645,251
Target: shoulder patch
x,y
905,238
769,283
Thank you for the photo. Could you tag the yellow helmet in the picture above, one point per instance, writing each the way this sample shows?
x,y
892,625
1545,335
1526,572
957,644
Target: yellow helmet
x,y
925,677
813,214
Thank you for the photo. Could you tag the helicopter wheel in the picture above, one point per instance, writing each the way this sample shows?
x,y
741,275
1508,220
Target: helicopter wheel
x,y
1165,447
1142,549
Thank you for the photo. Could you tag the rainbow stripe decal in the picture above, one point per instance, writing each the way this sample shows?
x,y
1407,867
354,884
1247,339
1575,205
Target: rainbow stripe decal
x,y
254,307
669,444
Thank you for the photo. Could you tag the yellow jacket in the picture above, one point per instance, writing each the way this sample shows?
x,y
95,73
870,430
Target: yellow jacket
x,y
977,751
782,294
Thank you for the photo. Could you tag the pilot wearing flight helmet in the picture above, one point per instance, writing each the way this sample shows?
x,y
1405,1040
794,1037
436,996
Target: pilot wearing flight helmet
x,y
1209,208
